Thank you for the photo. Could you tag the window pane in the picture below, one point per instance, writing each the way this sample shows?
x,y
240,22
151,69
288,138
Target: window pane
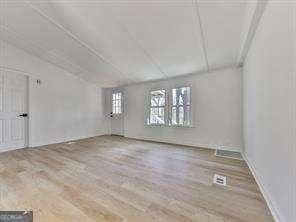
x,y
119,104
157,115
186,95
186,115
181,115
113,106
157,98
180,98
174,92
116,103
174,115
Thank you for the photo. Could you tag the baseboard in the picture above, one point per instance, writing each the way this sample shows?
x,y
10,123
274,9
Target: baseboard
x,y
203,146
274,211
64,140
211,146
10,149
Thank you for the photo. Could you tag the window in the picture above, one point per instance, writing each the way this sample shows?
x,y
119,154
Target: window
x,y
117,103
180,108
157,107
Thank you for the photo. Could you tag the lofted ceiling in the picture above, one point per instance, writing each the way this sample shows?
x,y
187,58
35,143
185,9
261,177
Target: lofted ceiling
x,y
118,42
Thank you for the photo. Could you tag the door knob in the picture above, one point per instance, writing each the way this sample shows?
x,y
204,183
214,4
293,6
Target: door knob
x,y
24,115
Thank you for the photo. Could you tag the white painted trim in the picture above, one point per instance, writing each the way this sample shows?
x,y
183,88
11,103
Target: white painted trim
x,y
203,42
65,140
28,120
271,205
12,149
189,144
255,21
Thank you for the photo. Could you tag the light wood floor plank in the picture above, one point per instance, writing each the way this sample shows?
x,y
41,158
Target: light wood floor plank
x,y
114,179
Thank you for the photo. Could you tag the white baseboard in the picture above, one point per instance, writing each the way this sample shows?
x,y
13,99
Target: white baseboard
x,y
199,145
62,140
273,209
10,149
211,146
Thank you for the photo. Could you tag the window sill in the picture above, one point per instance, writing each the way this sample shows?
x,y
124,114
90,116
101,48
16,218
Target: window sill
x,y
173,126
182,126
155,125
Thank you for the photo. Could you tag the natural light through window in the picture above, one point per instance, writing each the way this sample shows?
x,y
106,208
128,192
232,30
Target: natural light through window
x,y
117,103
180,108
157,107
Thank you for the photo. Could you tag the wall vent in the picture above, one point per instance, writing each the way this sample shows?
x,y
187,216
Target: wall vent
x,y
228,154
220,180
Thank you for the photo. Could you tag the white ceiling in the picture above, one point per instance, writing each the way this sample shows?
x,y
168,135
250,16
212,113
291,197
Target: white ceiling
x,y
117,42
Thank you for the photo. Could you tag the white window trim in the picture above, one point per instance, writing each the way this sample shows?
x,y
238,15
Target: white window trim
x,y
168,103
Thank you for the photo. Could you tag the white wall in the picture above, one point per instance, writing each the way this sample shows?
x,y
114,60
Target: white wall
x,y
216,104
269,108
63,107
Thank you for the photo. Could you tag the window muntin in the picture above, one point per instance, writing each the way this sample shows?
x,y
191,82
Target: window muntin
x,y
157,107
117,103
180,108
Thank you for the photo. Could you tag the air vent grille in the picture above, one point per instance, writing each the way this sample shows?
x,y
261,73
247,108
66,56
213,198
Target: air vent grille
x,y
220,180
228,154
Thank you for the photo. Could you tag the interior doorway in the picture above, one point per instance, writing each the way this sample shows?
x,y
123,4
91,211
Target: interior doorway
x,y
117,113
13,110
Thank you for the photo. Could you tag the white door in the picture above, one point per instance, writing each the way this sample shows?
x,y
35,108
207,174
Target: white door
x,y
117,116
117,122
13,110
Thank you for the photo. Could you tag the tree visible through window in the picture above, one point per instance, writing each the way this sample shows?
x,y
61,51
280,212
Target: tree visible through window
x,y
157,107
180,109
117,103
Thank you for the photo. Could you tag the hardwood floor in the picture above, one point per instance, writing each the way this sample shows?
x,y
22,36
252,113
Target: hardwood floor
x,y
116,179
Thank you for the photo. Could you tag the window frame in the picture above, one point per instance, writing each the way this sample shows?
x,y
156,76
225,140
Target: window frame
x,y
121,102
149,106
171,105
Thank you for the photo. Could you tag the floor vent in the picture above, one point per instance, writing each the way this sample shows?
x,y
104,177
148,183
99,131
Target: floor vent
x,y
229,154
220,180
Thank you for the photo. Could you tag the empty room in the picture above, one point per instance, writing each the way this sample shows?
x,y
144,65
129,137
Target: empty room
x,y
147,110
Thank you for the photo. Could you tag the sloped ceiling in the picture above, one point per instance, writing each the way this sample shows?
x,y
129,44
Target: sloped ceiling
x,y
117,42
